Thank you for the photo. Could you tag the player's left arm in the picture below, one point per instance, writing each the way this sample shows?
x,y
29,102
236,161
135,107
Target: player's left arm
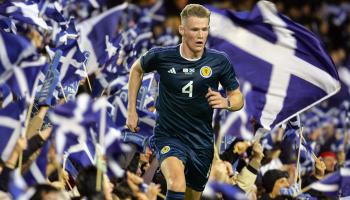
x,y
233,102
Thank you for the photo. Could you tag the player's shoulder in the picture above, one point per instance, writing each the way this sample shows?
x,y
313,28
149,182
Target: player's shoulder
x,y
158,49
217,54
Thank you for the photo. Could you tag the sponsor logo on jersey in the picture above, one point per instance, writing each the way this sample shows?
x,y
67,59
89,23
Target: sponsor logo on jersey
x,y
172,71
188,71
165,150
206,71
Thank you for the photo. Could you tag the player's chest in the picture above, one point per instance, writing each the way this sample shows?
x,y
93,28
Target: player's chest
x,y
185,77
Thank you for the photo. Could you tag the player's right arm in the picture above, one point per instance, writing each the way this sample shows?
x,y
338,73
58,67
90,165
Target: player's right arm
x,y
135,79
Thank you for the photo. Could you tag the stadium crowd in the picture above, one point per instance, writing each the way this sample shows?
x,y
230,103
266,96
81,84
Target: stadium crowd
x,y
265,170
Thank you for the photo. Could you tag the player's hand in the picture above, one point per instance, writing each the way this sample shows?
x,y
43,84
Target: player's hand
x,y
132,122
215,99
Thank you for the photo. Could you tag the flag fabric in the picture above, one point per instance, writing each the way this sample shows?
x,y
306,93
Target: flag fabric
x,y
93,33
71,123
82,153
71,63
37,170
25,12
11,122
334,184
25,78
228,191
120,100
5,95
14,49
18,188
286,64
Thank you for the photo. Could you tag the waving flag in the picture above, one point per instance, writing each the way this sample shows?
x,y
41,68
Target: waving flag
x,y
71,63
18,188
334,184
5,95
25,12
286,64
13,50
10,127
93,33
37,170
26,76
120,101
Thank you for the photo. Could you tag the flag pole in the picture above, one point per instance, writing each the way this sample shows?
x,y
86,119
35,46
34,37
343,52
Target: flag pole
x,y
100,142
297,175
87,54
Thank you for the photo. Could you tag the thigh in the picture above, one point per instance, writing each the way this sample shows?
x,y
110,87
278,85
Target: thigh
x,y
198,169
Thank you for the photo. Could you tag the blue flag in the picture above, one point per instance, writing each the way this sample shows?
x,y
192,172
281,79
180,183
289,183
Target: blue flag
x,y
10,127
93,33
25,12
334,184
37,170
286,64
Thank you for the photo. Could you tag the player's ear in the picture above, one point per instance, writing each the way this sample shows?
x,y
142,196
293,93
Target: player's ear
x,y
181,30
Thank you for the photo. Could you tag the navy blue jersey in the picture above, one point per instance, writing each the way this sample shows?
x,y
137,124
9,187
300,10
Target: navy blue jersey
x,y
182,109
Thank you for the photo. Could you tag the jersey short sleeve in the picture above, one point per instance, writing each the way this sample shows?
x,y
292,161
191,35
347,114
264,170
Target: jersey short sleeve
x,y
228,78
148,60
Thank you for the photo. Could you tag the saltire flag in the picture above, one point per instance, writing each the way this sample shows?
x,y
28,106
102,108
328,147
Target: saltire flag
x,y
120,101
71,63
70,168
65,34
93,33
11,124
334,184
36,173
51,10
82,153
25,78
18,187
7,25
237,123
286,64
13,50
71,123
5,95
25,12
228,191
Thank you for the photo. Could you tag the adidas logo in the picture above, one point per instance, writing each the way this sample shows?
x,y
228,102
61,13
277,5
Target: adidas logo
x,y
172,71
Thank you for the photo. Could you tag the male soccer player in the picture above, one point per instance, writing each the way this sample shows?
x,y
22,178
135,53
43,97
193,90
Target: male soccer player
x,y
190,75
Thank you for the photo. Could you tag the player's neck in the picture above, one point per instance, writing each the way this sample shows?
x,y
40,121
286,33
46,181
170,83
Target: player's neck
x,y
187,54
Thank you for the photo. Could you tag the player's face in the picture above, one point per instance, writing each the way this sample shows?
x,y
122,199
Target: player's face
x,y
194,33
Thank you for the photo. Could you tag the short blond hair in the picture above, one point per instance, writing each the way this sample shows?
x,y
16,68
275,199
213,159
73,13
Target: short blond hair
x,y
194,10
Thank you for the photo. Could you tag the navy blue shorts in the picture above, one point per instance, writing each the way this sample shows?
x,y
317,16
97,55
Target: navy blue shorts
x,y
197,162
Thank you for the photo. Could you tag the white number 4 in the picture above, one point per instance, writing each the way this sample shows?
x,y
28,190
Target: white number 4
x,y
188,88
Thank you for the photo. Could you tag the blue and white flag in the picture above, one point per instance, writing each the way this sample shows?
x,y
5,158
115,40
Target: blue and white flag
x,y
72,122
25,78
82,153
5,95
18,188
228,191
120,101
13,50
37,170
286,64
25,12
71,63
335,184
11,122
93,33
